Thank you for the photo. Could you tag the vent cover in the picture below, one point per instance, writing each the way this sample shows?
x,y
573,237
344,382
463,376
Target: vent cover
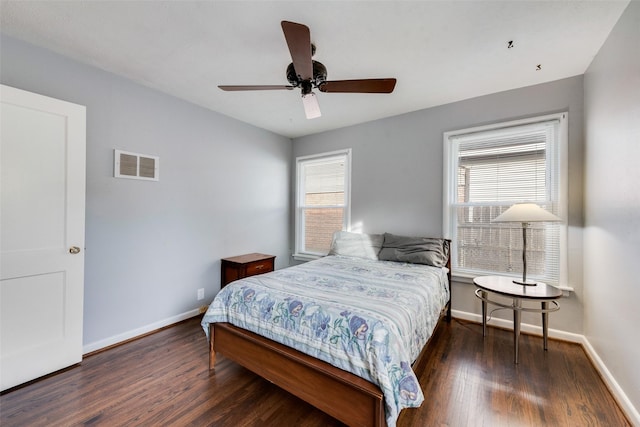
x,y
135,166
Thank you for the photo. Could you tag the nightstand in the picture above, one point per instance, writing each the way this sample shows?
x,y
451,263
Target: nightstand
x,y
241,266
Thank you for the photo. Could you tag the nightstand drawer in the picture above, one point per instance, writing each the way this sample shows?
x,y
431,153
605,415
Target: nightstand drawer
x,y
259,267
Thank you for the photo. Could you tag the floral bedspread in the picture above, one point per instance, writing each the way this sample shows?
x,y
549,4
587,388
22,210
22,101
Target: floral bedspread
x,y
371,318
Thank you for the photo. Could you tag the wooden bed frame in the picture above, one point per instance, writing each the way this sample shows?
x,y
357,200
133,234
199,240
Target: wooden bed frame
x,y
344,396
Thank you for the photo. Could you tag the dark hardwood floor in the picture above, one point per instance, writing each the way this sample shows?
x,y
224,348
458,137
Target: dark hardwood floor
x,y
163,380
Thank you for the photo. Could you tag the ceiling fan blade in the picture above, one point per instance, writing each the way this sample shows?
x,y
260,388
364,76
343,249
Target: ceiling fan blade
x,y
256,87
311,106
359,86
299,41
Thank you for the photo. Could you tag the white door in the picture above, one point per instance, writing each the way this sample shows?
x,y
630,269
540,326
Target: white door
x,y
42,161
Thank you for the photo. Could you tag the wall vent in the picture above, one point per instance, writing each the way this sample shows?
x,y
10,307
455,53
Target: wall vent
x,y
135,166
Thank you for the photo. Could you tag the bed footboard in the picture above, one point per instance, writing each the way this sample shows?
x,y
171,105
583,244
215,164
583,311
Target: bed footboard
x,y
344,396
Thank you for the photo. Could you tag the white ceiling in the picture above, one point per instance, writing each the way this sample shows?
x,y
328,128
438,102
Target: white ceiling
x,y
440,51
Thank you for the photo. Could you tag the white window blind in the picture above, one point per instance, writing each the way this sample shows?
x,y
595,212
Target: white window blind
x,y
488,170
322,201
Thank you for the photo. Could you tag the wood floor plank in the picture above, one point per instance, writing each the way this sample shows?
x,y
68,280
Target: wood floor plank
x,y
163,380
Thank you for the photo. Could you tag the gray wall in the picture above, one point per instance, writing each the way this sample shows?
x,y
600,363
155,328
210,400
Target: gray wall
x,y
612,205
397,168
223,191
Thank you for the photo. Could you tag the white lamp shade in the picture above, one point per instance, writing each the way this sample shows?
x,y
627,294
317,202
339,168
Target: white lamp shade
x,y
526,212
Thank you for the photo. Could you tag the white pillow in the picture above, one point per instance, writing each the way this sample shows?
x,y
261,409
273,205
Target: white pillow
x,y
356,244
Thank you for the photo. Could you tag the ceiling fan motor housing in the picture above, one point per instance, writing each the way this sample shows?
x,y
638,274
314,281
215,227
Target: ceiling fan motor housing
x,y
319,76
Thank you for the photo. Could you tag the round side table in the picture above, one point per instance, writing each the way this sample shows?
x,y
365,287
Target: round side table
x,y
504,286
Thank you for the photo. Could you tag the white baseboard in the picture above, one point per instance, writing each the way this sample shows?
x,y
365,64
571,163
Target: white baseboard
x,y
630,411
98,345
618,394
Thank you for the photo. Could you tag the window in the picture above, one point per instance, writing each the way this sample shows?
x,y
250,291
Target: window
x,y
488,169
322,201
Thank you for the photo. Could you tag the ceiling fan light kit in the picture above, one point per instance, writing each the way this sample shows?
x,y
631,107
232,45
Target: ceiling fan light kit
x,y
311,106
307,74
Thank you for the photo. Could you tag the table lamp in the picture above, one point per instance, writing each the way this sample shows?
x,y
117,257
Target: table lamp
x,y
525,213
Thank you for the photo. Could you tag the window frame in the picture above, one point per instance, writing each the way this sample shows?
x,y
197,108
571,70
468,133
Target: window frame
x,y
450,181
300,252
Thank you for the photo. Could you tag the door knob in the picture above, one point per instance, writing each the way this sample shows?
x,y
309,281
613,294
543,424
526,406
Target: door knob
x,y
74,250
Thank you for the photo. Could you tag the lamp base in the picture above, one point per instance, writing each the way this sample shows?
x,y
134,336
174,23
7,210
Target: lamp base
x,y
525,282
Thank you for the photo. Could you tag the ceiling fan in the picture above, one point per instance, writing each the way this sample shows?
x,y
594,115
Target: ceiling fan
x,y
308,74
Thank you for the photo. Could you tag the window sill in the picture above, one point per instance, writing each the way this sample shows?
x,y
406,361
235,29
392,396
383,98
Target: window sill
x,y
462,279
306,257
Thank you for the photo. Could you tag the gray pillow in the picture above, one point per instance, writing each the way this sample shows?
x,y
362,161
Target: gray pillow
x,y
356,244
417,250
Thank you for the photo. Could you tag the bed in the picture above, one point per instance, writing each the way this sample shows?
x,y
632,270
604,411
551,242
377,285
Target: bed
x,y
342,332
